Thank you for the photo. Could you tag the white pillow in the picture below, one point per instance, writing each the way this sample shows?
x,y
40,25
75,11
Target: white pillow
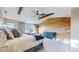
x,y
3,37
10,33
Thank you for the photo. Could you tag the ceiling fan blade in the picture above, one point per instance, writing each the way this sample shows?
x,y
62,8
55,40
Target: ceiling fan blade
x,y
42,14
19,11
34,12
34,15
46,15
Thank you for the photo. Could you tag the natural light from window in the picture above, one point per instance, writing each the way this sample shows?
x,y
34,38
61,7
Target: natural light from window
x,y
10,25
30,28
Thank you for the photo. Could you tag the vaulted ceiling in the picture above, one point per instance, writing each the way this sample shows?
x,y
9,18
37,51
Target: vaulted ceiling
x,y
27,14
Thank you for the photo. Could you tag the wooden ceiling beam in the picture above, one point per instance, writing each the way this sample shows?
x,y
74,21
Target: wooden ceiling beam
x,y
20,10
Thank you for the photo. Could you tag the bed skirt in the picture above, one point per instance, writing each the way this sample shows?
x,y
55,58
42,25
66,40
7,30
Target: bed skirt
x,y
35,49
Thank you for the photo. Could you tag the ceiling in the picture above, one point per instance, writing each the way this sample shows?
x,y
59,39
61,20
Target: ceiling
x,y
28,16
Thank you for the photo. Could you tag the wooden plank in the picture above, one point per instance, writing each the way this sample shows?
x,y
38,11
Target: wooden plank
x,y
20,9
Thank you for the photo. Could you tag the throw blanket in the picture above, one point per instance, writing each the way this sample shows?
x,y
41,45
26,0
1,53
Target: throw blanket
x,y
37,36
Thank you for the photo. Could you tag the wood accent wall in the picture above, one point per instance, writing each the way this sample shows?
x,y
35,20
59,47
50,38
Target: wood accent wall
x,y
60,25
36,28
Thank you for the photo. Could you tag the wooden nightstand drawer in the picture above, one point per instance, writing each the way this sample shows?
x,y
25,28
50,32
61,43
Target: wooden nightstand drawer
x,y
3,48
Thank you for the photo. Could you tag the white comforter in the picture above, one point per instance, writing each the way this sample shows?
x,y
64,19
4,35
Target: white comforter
x,y
21,44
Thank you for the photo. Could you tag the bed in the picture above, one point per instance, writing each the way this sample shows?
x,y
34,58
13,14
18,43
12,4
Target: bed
x,y
23,43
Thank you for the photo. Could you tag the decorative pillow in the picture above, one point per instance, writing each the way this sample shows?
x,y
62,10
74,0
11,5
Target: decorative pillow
x,y
16,33
3,37
8,33
49,35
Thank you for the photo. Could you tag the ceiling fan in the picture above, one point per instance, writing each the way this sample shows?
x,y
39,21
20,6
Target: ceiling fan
x,y
42,15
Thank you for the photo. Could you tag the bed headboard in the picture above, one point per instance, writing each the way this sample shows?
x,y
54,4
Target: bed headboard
x,y
49,35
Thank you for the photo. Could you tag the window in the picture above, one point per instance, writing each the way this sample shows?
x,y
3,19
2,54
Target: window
x,y
30,27
0,24
10,25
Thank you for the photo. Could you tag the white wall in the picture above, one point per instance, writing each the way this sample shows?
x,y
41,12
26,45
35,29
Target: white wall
x,y
1,17
75,30
75,24
21,27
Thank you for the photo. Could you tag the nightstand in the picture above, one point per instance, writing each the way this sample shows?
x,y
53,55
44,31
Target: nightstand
x,y
3,49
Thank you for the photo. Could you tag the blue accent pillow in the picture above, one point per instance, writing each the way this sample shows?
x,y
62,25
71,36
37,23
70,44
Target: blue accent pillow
x,y
49,35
